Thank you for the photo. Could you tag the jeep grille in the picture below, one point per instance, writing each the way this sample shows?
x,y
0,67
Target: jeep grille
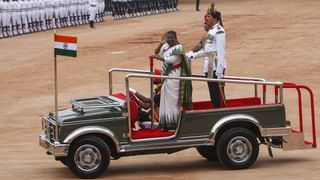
x,y
48,127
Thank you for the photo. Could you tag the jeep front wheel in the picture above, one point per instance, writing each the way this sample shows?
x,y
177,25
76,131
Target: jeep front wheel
x,y
89,157
237,148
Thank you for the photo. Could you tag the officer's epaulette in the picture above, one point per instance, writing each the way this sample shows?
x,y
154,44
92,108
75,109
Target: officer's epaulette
x,y
220,32
218,27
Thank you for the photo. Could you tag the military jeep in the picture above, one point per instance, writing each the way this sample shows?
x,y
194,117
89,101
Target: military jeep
x,y
95,130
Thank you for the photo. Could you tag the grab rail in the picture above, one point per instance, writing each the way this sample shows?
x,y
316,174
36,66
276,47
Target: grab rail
x,y
287,85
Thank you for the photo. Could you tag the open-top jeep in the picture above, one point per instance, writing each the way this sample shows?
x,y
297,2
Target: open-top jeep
x,y
95,130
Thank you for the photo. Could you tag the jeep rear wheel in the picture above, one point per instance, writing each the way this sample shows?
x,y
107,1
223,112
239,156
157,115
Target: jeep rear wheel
x,y
208,152
237,148
89,157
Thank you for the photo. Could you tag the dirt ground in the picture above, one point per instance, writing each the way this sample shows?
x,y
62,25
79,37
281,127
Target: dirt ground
x,y
273,39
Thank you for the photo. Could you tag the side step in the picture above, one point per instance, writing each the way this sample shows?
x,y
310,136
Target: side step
x,y
295,140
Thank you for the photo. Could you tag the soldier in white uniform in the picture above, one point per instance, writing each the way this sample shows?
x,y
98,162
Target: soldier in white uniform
x,y
115,11
101,9
67,10
19,14
97,18
35,15
84,8
47,14
14,12
10,11
29,11
108,7
42,12
5,25
78,12
24,17
1,24
61,13
93,11
1,9
72,12
38,18
66,5
215,64
57,13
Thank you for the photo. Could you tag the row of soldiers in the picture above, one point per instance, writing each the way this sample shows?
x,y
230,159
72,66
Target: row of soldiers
x,y
27,16
133,8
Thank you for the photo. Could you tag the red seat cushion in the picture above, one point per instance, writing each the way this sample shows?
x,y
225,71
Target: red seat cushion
x,y
251,101
150,133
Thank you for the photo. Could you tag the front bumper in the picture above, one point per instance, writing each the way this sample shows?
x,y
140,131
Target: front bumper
x,y
54,148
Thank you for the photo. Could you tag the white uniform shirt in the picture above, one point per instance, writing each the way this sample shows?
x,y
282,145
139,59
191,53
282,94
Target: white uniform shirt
x,y
93,3
215,42
1,13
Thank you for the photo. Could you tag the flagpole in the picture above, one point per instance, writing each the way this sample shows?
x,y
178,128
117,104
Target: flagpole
x,y
56,92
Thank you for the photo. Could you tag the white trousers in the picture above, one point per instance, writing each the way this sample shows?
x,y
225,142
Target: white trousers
x,y
93,12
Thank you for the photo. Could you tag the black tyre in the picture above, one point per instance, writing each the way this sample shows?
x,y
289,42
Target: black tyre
x,y
208,152
64,161
237,148
88,157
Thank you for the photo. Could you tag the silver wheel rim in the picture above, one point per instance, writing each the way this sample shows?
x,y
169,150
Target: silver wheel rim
x,y
239,149
87,157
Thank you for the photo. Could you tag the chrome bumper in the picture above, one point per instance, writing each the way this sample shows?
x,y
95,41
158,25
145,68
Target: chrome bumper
x,y
269,132
55,148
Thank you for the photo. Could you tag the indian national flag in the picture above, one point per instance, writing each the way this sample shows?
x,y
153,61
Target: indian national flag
x,y
65,45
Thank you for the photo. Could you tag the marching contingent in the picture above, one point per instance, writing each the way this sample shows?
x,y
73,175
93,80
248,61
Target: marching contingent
x,y
27,16
19,17
133,8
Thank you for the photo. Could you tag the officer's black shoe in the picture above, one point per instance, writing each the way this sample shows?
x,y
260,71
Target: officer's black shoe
x,y
91,24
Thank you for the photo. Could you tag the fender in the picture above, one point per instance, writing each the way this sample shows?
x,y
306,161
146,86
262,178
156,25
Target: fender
x,y
229,119
91,130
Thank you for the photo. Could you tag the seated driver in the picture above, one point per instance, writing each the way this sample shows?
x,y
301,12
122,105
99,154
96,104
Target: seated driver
x,y
144,109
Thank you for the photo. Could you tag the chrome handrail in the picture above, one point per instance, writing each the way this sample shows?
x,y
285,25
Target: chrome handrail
x,y
123,70
194,75
277,83
242,78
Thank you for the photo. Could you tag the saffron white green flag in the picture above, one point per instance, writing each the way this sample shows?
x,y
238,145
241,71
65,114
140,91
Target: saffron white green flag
x,y
65,45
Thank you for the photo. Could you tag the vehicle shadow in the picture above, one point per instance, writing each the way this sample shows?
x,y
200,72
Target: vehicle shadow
x,y
163,167
135,167
180,166
280,161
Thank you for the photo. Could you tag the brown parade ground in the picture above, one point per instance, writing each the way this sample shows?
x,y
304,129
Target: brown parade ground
x,y
273,39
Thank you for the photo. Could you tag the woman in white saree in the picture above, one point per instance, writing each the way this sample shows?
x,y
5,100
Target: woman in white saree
x,y
175,94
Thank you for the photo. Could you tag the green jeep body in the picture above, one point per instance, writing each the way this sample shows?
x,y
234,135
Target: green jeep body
x,y
97,129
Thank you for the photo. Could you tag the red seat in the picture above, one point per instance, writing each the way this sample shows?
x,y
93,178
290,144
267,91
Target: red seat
x,y
133,107
150,133
251,101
